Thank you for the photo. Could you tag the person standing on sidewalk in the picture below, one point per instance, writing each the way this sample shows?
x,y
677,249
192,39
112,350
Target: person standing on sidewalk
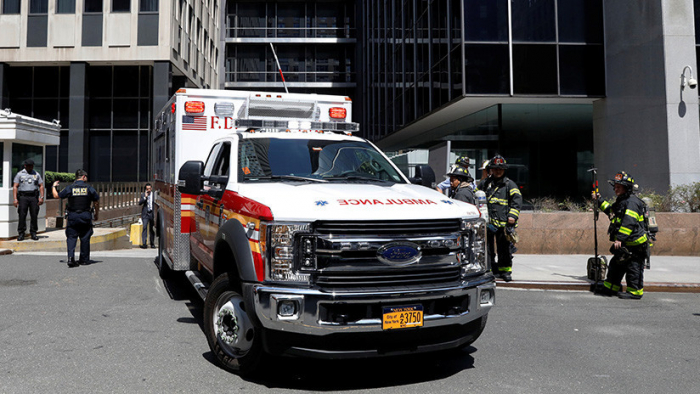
x,y
80,197
461,185
629,236
445,185
28,193
146,202
504,200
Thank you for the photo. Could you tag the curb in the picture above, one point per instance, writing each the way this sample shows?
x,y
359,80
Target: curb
x,y
584,286
112,240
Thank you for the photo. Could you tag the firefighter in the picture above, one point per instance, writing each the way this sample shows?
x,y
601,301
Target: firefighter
x,y
462,161
504,200
629,236
80,196
461,184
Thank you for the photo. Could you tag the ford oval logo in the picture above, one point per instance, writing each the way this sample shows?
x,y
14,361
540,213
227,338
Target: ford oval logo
x,y
399,253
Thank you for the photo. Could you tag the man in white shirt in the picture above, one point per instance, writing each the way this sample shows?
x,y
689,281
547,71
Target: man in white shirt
x,y
146,202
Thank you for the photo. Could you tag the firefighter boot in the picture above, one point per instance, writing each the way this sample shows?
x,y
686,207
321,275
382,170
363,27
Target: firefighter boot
x,y
629,296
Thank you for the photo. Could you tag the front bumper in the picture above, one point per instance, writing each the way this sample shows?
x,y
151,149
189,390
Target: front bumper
x,y
325,323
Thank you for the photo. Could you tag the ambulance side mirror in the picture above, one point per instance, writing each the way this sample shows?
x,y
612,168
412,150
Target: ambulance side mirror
x,y
424,176
190,180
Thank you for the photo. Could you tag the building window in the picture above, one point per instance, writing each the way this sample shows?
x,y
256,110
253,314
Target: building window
x,y
11,6
38,6
22,152
93,5
148,6
121,5
65,6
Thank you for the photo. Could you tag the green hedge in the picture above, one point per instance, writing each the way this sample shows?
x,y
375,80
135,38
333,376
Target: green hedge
x,y
51,176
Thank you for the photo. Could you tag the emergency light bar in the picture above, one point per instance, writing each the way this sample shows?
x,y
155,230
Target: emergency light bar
x,y
344,127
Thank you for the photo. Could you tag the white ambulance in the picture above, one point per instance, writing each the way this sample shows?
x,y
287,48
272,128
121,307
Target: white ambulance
x,y
304,240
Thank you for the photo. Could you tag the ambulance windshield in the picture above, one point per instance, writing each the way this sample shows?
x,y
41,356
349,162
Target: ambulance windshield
x,y
274,159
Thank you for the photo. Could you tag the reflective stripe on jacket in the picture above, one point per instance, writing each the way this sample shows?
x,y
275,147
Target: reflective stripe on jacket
x,y
627,220
504,200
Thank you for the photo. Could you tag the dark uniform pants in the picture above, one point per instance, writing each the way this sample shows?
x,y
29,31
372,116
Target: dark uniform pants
x,y
79,226
497,242
30,202
632,266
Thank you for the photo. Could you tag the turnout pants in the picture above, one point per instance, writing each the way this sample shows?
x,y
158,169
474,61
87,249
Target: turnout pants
x,y
28,202
497,243
631,266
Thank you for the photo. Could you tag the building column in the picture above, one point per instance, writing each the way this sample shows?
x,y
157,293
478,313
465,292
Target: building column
x,y
161,86
78,136
4,97
648,125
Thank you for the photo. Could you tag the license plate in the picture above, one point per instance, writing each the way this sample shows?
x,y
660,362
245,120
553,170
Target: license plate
x,y
402,317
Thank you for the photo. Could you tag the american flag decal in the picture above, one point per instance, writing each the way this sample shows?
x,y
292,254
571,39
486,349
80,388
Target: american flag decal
x,y
194,123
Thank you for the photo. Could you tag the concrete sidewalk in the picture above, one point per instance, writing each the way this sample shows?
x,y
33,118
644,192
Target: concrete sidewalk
x,y
54,240
568,272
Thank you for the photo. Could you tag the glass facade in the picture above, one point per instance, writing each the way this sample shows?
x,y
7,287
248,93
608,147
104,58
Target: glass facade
x,y
42,93
118,111
119,122
422,55
315,42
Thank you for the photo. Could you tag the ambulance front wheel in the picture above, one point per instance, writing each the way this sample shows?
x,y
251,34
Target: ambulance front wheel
x,y
232,336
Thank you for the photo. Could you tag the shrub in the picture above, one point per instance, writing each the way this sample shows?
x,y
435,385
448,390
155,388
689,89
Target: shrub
x,y
686,198
545,204
662,203
58,176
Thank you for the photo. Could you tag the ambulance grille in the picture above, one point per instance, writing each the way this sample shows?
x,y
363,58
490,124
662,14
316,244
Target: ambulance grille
x,y
394,278
383,227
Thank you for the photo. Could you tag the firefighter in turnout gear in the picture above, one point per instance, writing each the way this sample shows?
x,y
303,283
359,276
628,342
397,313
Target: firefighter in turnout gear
x,y
80,197
504,200
628,233
461,184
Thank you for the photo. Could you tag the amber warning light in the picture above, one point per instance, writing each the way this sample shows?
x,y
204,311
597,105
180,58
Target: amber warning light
x,y
194,107
338,113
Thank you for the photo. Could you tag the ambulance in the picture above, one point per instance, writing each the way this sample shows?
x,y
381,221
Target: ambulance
x,y
304,240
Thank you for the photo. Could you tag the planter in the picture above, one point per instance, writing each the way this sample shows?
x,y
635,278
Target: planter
x,y
572,233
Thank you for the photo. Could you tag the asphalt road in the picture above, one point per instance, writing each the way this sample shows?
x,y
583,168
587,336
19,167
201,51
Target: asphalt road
x,y
114,327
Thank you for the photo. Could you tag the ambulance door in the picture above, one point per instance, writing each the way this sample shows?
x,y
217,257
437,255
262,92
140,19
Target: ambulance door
x,y
209,207
202,210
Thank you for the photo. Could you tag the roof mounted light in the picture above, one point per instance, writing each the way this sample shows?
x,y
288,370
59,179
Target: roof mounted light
x,y
194,107
337,113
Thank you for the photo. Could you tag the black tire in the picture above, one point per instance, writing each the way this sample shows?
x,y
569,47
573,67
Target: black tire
x,y
234,341
164,270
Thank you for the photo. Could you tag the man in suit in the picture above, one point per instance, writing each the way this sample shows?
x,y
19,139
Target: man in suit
x,y
146,202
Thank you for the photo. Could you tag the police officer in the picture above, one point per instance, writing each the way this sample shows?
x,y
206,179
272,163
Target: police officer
x,y
504,200
629,236
461,184
28,192
80,196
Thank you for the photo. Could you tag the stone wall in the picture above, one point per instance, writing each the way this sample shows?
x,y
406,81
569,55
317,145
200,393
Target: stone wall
x,y
572,233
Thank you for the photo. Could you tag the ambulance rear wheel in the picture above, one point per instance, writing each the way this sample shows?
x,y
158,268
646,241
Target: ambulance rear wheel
x,y
232,336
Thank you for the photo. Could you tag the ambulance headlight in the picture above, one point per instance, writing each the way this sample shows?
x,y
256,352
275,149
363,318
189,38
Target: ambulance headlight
x,y
281,246
473,251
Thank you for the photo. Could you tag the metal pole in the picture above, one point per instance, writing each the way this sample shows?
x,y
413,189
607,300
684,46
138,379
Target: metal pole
x,y
279,68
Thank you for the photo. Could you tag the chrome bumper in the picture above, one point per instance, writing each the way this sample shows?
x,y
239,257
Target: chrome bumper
x,y
307,321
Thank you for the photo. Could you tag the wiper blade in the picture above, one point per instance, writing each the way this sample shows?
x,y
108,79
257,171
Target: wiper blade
x,y
357,178
288,177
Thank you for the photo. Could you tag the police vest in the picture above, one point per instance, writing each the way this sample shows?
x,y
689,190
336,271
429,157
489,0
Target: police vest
x,y
79,200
